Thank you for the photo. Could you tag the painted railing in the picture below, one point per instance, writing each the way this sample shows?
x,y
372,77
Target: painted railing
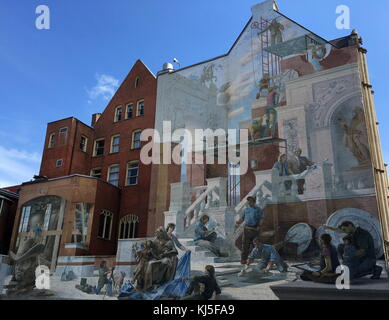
x,y
206,197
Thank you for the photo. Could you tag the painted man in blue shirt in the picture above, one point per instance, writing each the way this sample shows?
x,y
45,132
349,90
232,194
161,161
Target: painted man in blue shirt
x,y
252,217
206,238
268,255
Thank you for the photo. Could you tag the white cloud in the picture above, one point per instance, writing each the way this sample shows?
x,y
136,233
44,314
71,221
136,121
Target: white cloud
x,y
104,89
17,166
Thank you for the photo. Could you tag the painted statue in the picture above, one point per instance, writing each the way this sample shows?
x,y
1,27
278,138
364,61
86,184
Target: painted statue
x,y
355,137
316,54
157,262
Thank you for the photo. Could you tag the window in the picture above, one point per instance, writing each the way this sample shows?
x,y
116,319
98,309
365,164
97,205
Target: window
x,y
136,142
99,148
132,173
113,174
140,110
96,173
23,227
59,163
46,219
115,144
137,82
82,213
130,111
83,143
51,141
63,135
118,114
105,224
128,227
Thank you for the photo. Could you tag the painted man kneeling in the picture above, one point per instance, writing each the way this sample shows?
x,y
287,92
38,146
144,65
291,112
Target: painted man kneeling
x,y
269,258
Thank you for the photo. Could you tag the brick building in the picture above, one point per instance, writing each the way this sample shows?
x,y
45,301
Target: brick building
x,y
92,188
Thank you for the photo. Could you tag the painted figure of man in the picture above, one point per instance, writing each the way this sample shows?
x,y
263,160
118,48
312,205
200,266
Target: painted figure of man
x,y
268,256
104,273
252,217
365,251
208,280
298,166
276,30
282,167
206,238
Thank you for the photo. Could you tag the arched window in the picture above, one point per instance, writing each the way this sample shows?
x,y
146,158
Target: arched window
x,y
128,227
105,225
137,82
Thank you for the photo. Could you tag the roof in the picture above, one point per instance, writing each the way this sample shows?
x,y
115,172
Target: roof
x,y
8,195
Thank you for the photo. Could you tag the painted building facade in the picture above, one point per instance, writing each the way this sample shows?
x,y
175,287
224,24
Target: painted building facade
x,y
300,99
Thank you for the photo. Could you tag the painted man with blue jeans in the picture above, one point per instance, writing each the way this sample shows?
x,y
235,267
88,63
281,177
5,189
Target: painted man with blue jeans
x,y
252,217
268,255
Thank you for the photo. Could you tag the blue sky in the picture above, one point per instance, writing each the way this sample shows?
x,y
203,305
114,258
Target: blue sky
x,y
74,68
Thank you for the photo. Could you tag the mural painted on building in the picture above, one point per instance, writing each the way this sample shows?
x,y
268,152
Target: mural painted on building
x,y
309,191
300,98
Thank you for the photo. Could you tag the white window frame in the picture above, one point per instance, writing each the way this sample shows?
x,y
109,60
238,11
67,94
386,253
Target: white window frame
x,y
86,143
109,174
106,213
138,114
51,143
127,171
63,132
116,145
132,110
85,216
59,163
46,220
116,114
133,140
25,217
95,148
131,220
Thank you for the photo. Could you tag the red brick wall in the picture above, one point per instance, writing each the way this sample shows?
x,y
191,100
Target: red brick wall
x,y
134,199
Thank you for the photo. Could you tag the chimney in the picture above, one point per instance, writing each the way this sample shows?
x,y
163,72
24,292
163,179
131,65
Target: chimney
x,y
95,118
